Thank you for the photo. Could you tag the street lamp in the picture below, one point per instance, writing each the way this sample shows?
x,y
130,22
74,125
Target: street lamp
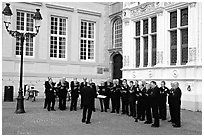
x,y
22,36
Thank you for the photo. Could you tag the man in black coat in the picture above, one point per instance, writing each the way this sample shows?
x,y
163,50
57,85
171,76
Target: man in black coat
x,y
82,86
93,85
132,99
170,102
102,90
74,94
148,111
124,97
176,104
162,101
154,97
88,103
49,93
63,87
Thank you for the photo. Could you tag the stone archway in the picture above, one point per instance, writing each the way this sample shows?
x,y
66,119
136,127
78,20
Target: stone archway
x,y
116,61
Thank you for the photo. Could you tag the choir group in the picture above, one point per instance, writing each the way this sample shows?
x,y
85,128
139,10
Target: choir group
x,y
141,100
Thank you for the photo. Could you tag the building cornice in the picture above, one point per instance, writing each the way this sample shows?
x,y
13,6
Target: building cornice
x,y
93,13
33,3
116,14
52,6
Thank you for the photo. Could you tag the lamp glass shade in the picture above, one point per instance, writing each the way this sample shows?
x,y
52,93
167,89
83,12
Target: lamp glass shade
x,y
37,23
7,19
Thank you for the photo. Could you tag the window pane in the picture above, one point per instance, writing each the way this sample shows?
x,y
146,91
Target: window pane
x,y
90,49
138,28
62,26
137,52
184,46
20,21
117,33
154,50
154,24
184,17
53,46
54,22
83,50
18,46
173,47
145,51
29,46
173,19
83,29
145,26
62,43
29,23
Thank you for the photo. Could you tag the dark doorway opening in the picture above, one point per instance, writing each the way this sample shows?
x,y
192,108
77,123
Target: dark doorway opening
x,y
117,65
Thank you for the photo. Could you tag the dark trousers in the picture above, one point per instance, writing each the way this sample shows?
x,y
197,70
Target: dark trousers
x,y
113,102
155,111
45,103
177,114
132,108
50,99
125,106
148,112
171,109
103,104
85,108
73,105
141,109
108,102
62,102
162,110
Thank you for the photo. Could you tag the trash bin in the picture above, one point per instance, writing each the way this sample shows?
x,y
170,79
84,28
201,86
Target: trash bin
x,y
8,93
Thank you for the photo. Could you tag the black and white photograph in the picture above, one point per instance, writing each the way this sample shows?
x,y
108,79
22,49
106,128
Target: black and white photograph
x,y
101,68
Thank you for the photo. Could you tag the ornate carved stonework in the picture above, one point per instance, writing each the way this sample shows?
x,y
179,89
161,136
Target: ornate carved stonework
x,y
124,61
192,4
175,73
143,8
192,54
159,57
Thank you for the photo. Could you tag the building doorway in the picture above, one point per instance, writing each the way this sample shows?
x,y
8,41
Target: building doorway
x,y
117,65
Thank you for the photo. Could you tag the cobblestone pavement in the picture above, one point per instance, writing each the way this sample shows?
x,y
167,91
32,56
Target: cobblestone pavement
x,y
38,121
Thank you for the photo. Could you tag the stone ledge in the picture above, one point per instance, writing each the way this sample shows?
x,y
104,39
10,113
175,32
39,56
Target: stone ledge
x,y
59,7
93,13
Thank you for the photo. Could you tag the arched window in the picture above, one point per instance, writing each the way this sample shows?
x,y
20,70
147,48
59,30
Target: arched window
x,y
117,33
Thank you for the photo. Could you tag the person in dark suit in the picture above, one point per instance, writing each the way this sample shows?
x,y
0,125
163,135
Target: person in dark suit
x,y
49,92
63,87
137,93
141,102
176,104
162,101
124,97
154,97
88,103
82,85
93,85
132,99
170,102
103,101
148,111
74,94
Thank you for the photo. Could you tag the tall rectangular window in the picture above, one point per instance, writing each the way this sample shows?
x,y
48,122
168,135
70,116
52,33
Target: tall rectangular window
x,y
173,19
154,50
145,51
184,46
137,52
145,26
154,24
87,42
117,33
173,47
58,38
25,23
184,17
138,28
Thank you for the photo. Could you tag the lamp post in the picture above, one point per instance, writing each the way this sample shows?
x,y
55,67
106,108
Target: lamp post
x,y
22,36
